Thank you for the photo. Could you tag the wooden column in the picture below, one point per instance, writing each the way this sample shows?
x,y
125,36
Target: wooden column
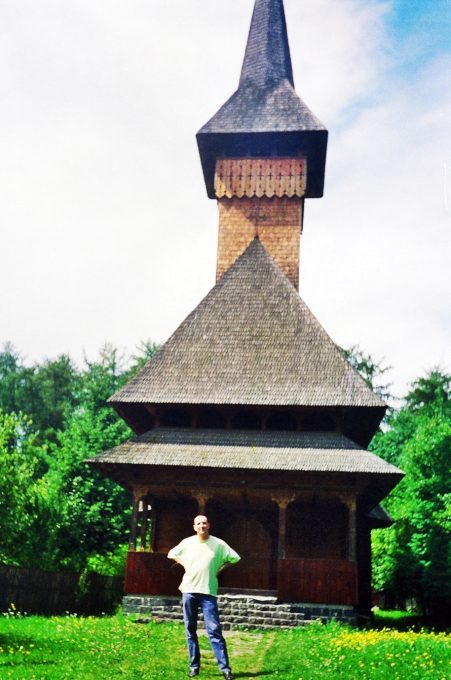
x,y
139,494
153,522
282,503
281,545
134,523
202,498
145,503
352,553
350,502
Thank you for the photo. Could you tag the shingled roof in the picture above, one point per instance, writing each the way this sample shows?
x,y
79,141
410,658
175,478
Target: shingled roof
x,y
239,449
273,109
251,341
265,100
259,452
265,116
267,59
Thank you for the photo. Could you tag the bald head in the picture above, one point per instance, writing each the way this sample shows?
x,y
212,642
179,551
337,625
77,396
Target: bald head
x,y
201,527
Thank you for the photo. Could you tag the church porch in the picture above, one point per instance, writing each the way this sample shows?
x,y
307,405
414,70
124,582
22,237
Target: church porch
x,y
299,546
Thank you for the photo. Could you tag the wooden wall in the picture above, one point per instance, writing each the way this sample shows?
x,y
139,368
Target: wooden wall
x,y
317,530
277,222
317,581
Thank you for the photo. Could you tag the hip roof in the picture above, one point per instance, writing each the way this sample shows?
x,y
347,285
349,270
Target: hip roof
x,y
251,341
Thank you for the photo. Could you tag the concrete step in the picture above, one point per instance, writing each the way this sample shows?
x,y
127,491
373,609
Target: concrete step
x,y
237,611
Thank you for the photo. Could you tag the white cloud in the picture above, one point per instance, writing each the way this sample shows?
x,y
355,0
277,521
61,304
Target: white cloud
x,y
389,231
340,52
106,230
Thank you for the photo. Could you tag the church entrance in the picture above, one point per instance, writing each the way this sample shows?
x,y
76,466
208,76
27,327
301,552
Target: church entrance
x,y
253,534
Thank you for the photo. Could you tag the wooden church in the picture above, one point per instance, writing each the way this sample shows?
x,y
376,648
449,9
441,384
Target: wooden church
x,y
249,412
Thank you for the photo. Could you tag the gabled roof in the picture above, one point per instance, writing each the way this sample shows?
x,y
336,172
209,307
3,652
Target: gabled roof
x,y
251,341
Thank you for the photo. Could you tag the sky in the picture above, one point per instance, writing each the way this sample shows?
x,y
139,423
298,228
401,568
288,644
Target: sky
x,y
106,232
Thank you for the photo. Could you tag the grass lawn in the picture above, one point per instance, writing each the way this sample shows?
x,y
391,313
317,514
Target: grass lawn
x,y
57,648
393,618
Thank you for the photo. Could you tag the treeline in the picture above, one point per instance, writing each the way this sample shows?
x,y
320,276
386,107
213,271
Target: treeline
x,y
412,559
55,513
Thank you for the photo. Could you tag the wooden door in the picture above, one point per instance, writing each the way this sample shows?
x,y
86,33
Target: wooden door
x,y
254,543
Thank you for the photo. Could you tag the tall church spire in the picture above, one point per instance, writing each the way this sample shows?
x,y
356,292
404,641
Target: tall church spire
x,y
264,151
267,59
265,117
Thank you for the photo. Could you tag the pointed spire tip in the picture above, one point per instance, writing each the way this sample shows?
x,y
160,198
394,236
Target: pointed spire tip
x,y
267,59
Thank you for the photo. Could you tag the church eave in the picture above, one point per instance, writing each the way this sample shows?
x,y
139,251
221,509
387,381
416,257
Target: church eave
x,y
311,144
303,456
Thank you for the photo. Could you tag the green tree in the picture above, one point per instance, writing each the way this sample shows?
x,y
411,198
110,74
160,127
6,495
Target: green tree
x,y
11,379
44,392
56,384
369,369
91,512
144,352
432,391
412,559
19,458
60,513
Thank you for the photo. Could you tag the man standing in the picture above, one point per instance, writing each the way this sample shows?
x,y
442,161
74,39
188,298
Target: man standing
x,y
203,557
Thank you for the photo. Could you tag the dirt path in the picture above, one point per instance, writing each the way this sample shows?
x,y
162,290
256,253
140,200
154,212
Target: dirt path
x,y
246,650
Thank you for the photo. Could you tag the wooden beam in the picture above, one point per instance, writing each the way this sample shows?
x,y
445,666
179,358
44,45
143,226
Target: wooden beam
x,y
153,524
202,497
352,547
282,501
134,523
145,503
349,499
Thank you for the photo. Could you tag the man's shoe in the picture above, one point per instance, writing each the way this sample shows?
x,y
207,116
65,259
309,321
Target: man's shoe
x,y
193,672
228,675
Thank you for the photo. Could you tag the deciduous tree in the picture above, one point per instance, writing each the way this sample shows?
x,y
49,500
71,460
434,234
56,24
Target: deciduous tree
x,y
412,559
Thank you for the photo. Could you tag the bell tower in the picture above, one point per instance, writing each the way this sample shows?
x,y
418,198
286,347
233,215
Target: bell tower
x,y
249,412
264,151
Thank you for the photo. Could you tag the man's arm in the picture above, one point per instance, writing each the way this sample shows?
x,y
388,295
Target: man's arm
x,y
174,553
230,557
178,560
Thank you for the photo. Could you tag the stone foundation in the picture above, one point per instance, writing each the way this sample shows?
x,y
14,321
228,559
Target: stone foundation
x,y
236,611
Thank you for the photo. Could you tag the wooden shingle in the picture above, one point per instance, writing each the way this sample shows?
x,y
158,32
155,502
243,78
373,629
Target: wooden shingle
x,y
251,341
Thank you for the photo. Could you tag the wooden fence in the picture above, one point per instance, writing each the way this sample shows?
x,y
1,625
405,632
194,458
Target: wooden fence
x,y
44,592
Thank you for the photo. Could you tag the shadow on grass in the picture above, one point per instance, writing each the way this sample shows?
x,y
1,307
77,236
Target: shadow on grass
x,y
10,639
259,674
403,621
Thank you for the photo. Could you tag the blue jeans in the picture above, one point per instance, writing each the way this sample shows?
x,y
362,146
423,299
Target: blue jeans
x,y
209,606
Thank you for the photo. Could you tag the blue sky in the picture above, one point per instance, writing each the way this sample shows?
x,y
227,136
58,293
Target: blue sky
x,y
420,30
426,20
106,231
